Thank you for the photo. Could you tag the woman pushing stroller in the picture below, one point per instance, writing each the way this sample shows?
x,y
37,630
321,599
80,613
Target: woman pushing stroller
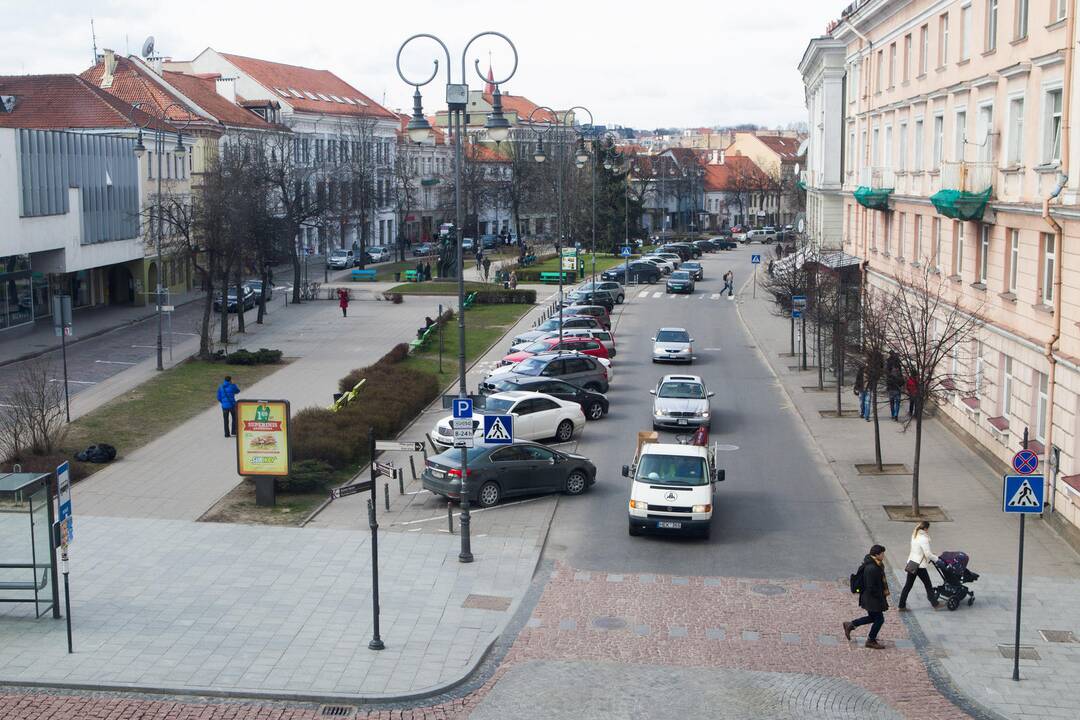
x,y
918,560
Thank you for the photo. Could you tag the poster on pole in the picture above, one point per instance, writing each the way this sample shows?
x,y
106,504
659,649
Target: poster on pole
x,y
262,443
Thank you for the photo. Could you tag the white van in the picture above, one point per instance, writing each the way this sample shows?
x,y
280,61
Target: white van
x,y
672,488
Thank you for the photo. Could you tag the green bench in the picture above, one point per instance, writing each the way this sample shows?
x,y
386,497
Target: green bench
x,y
422,340
359,274
469,300
411,275
553,277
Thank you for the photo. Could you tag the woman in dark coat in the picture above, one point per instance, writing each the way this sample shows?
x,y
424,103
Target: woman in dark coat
x,y
873,597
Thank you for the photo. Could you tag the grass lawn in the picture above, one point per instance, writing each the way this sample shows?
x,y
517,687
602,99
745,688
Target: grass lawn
x,y
159,405
385,273
484,324
439,287
603,262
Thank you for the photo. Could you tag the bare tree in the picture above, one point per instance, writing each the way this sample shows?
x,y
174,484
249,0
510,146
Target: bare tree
x,y
33,416
875,343
924,329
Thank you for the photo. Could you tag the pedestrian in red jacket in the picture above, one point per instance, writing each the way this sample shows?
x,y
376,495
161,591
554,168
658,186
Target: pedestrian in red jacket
x,y
343,301
911,387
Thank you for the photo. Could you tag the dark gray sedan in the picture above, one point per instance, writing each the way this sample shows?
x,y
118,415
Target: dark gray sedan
x,y
498,471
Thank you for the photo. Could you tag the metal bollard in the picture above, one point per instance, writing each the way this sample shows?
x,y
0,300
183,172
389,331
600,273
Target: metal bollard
x,y
400,472
386,495
450,516
412,466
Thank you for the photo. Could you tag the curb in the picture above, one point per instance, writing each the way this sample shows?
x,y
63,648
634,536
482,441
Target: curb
x,y
939,676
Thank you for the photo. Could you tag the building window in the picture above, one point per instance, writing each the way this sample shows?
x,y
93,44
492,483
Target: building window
x,y
880,76
1049,255
851,151
901,157
886,221
1014,258
937,244
943,39
916,250
1021,19
1016,131
984,128
900,235
892,66
918,159
959,135
888,147
1052,127
875,148
150,165
939,141
907,58
991,25
984,252
1040,407
1007,388
965,32
924,48
1061,9
958,248
978,352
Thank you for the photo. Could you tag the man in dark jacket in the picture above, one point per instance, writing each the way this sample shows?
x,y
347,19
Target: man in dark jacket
x,y
226,395
873,597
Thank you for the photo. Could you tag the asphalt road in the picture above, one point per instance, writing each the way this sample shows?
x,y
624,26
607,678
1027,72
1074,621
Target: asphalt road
x,y
778,514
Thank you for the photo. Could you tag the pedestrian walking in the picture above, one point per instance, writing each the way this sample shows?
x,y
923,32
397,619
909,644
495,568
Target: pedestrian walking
x,y
918,559
729,283
894,383
343,301
487,267
427,271
479,259
873,589
862,389
419,271
513,280
226,395
911,386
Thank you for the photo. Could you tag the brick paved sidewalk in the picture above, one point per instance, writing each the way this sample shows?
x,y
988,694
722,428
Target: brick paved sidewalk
x,y
963,645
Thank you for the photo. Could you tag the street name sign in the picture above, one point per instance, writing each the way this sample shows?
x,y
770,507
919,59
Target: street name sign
x,y
353,489
417,446
498,429
1022,494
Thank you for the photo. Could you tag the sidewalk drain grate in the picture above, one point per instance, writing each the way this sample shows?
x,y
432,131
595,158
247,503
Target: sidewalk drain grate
x,y
486,602
1058,636
1026,652
768,589
609,623
336,711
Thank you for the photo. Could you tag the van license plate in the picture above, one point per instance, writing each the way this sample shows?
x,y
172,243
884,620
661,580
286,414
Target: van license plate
x,y
668,525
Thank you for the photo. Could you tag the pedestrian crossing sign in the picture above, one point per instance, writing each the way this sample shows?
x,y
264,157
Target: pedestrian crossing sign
x,y
498,429
1023,494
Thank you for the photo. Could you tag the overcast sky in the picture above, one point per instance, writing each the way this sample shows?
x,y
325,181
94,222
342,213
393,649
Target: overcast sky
x,y
659,64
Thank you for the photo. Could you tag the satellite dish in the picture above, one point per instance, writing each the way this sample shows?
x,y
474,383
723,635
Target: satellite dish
x,y
797,168
148,47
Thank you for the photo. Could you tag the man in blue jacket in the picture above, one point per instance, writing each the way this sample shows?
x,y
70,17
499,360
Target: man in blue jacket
x,y
226,395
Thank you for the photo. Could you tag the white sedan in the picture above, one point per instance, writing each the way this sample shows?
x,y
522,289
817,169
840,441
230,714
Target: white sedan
x,y
665,266
536,417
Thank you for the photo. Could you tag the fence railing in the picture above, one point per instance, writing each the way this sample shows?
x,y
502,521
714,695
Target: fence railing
x,y
973,177
877,177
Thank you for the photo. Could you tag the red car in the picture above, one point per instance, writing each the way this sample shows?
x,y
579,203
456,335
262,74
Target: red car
x,y
583,345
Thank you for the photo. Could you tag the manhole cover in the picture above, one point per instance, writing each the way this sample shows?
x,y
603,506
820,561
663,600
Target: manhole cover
x,y
1058,636
1026,652
609,623
768,589
726,448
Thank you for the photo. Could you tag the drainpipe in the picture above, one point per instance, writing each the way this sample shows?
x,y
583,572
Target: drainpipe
x,y
866,151
1051,378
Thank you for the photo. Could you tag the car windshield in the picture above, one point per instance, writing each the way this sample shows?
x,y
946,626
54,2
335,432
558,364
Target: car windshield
x,y
497,406
552,324
532,366
339,253
673,336
673,470
693,265
452,458
688,390
536,347
680,275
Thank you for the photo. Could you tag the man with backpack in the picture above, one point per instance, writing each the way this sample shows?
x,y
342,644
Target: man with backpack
x,y
869,583
226,395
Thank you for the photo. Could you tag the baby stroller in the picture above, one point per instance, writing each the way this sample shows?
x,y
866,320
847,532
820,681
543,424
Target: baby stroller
x,y
953,568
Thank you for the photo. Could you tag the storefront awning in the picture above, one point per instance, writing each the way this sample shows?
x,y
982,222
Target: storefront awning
x,y
873,198
961,205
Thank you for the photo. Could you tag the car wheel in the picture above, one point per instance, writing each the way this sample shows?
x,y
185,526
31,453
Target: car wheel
x,y
489,494
634,531
619,299
576,483
595,411
565,431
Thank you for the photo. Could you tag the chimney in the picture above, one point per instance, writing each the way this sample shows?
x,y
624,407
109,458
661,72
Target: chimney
x,y
714,157
110,69
226,88
721,156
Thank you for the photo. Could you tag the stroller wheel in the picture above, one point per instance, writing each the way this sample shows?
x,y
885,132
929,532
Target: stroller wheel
x,y
954,602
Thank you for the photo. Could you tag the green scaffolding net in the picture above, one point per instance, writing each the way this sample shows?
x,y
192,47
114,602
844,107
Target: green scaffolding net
x,y
873,198
960,204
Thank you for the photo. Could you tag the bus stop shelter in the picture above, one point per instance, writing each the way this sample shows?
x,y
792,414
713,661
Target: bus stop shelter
x,y
28,571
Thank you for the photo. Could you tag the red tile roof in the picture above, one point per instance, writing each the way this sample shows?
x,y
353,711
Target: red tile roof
x,y
440,136
62,102
476,152
737,172
320,91
133,84
523,106
202,90
787,148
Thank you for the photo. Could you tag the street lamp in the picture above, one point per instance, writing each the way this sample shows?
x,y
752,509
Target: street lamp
x,y
158,118
457,101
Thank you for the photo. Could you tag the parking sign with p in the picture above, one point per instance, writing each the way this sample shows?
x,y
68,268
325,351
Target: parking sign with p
x,y
462,408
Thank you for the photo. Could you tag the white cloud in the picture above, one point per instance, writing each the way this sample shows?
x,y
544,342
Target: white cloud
x,y
678,63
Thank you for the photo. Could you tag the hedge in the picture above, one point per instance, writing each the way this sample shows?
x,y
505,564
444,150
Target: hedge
x,y
501,297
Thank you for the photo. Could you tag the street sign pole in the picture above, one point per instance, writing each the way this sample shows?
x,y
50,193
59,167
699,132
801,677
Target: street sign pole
x,y
1019,586
376,641
61,307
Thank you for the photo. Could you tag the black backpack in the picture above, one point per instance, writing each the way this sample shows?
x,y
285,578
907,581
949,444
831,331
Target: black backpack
x,y
855,581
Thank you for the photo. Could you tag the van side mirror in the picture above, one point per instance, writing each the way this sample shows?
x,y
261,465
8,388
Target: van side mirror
x,y
719,475
653,339
652,392
711,393
626,471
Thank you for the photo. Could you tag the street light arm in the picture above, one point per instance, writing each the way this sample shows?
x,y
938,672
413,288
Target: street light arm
x,y
476,64
434,72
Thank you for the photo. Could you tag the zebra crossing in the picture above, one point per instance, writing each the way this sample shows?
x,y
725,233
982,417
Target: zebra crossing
x,y
661,295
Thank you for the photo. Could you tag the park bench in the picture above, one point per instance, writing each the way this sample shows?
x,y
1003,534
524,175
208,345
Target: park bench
x,y
34,584
411,275
553,277
359,274
422,337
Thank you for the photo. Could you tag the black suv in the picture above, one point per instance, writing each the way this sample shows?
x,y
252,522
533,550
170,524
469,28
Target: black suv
x,y
593,404
639,272
582,370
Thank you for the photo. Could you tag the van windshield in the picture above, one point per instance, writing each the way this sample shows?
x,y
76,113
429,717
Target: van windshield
x,y
673,470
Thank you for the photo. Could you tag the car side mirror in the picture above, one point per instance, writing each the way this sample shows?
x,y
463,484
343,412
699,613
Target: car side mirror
x,y
626,471
652,392
552,461
718,475
711,393
691,339
653,339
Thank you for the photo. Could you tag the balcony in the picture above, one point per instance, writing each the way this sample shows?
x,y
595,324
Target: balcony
x,y
966,188
801,182
876,184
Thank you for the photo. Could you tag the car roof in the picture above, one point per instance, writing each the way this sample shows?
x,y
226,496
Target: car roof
x,y
512,395
682,378
673,449
672,328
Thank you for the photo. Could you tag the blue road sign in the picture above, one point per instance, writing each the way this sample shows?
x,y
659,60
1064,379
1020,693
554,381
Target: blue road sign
x,y
1022,494
626,252
462,408
1025,462
498,429
63,496
755,259
796,313
798,301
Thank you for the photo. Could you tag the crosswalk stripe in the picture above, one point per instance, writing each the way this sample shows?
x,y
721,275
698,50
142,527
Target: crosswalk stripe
x,y
656,294
643,294
714,296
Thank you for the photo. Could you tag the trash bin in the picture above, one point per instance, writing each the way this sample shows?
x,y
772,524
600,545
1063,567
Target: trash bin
x,y
397,277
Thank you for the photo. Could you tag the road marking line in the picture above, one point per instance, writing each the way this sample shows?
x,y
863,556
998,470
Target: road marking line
x,y
184,333
643,294
152,347
115,362
76,382
714,296
656,294
473,512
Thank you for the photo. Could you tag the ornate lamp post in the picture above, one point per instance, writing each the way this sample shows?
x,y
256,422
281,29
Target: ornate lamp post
x,y
159,119
419,129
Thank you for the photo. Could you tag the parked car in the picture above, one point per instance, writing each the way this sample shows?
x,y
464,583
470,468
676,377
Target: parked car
x,y
585,345
248,299
687,251
468,245
593,404
594,311
379,254
616,290
680,401
536,417
590,297
256,287
680,281
581,370
707,245
673,344
638,271
489,242
501,471
423,249
671,256
695,269
665,266
606,337
551,325
340,259
762,236
726,243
